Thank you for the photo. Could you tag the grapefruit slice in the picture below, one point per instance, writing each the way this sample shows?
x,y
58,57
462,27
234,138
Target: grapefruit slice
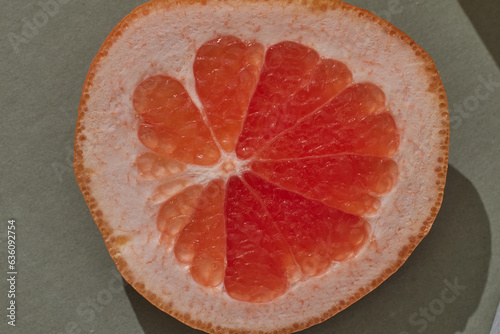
x,y
258,166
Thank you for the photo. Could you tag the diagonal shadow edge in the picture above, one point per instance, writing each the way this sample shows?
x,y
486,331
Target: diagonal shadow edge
x,y
454,256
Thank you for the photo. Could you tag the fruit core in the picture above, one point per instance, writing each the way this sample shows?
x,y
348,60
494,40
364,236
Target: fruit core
x,y
228,167
294,156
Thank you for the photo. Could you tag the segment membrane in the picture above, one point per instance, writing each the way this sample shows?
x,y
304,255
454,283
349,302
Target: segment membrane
x,y
353,122
259,262
294,82
315,233
349,183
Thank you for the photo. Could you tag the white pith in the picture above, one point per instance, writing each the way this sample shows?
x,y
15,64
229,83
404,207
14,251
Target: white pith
x,y
125,199
228,165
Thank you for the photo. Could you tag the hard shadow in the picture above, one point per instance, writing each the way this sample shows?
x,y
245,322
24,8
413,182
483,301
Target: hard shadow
x,y
456,252
151,319
455,255
484,16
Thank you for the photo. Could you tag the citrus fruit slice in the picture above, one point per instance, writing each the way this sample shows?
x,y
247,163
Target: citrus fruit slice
x,y
259,166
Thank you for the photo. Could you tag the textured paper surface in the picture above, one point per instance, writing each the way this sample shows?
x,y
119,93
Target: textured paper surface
x,y
66,281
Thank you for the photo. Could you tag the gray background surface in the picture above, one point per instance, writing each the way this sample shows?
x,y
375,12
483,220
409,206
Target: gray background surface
x,y
67,283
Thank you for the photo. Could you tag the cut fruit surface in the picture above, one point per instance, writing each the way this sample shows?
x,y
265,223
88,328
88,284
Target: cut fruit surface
x,y
202,242
226,71
171,124
294,82
238,160
355,122
258,257
347,182
315,233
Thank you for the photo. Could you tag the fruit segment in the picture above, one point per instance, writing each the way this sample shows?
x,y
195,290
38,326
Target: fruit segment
x,y
316,233
169,188
150,166
259,262
349,183
175,213
353,122
294,82
171,125
226,71
202,242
